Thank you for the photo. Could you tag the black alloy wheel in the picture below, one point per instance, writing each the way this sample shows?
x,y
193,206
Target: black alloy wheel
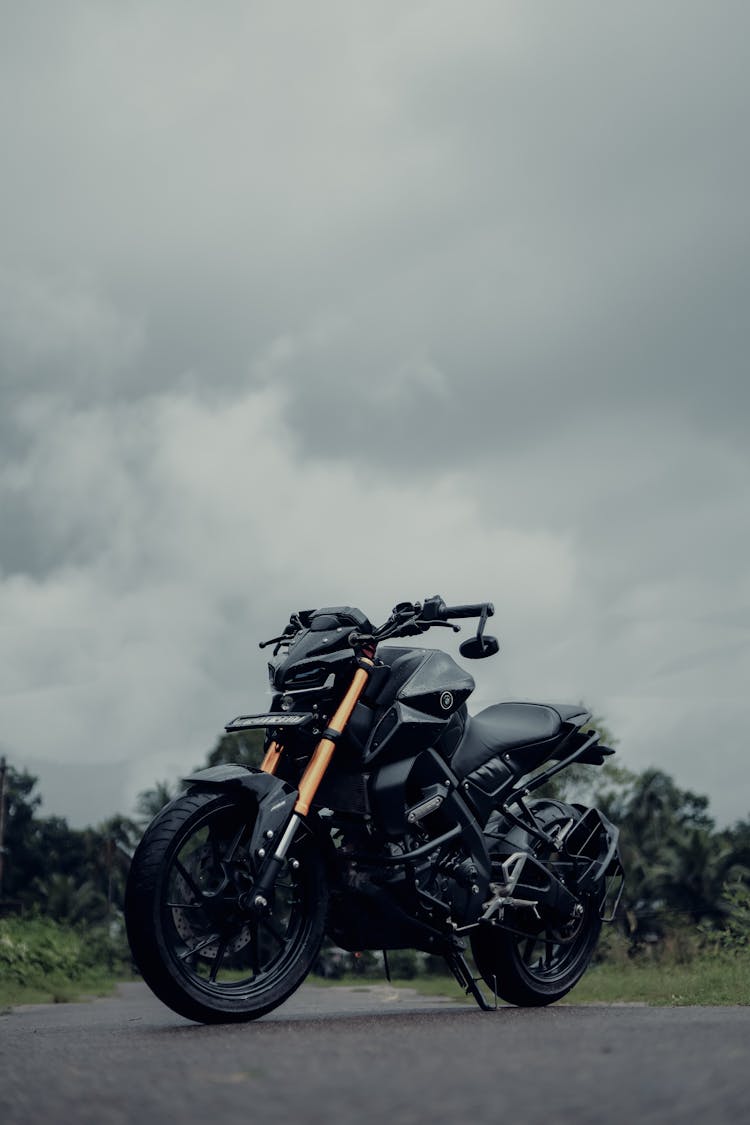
x,y
199,947
541,966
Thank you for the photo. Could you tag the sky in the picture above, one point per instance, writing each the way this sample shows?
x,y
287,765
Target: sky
x,y
355,303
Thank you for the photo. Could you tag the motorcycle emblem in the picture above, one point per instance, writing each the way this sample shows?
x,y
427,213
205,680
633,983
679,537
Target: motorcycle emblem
x,y
446,700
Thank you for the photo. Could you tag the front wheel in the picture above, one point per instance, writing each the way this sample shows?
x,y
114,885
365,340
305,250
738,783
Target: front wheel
x,y
538,967
199,950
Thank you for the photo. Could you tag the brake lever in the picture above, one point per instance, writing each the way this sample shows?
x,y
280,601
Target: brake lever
x,y
413,627
273,641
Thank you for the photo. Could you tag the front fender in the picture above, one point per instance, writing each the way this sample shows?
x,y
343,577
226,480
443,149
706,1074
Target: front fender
x,y
274,799
229,776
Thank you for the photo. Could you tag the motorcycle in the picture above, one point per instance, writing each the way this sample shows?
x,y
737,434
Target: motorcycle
x,y
384,817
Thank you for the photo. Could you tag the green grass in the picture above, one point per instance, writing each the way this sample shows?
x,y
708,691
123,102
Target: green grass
x,y
43,961
57,989
708,979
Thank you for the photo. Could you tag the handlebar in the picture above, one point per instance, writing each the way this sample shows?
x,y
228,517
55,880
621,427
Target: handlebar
x,y
410,619
474,610
407,619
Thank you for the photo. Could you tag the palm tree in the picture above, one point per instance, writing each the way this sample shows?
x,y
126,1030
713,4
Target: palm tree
x,y
67,900
151,801
696,866
671,854
110,847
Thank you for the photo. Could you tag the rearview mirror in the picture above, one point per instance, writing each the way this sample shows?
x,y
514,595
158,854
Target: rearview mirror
x,y
476,648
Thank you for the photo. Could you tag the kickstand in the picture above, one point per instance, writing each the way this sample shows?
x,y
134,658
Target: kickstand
x,y
458,966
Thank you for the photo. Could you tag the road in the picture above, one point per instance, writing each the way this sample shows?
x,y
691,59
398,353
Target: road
x,y
373,1055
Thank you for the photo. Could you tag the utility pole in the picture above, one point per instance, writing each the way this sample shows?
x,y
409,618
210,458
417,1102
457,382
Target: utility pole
x,y
3,769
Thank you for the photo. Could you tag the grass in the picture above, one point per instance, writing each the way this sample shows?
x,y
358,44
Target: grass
x,y
717,979
706,980
43,961
55,988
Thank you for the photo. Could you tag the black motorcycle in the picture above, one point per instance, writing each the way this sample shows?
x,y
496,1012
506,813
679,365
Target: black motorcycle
x,y
384,816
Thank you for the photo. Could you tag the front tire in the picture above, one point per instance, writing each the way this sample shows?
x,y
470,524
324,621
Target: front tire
x,y
198,949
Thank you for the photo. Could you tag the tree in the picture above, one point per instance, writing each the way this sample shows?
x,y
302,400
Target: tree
x,y
109,848
20,805
675,862
72,875
67,899
739,837
696,867
245,748
151,801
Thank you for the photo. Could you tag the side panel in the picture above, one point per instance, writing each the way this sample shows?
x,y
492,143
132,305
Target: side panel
x,y
402,730
438,687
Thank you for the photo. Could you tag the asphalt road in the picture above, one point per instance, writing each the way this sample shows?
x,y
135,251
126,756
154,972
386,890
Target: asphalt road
x,y
374,1055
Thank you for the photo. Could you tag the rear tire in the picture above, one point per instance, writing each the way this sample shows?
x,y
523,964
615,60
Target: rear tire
x,y
199,951
540,969
541,965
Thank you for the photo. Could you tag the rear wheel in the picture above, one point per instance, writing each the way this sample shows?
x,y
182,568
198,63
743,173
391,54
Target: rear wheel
x,y
540,966
549,955
203,953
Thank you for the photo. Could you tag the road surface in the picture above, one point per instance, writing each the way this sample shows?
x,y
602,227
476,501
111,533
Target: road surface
x,y
375,1054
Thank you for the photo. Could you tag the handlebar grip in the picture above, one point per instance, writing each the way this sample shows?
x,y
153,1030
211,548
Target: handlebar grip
x,y
475,610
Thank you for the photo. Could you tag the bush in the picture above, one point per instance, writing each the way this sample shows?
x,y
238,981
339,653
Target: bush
x,y
736,936
34,949
30,950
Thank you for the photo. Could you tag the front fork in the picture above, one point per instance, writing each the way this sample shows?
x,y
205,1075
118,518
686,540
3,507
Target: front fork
x,y
315,771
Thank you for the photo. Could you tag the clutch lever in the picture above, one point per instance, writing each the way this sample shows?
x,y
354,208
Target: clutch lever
x,y
416,627
286,637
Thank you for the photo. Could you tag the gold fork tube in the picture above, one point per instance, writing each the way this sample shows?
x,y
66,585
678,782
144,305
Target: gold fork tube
x,y
321,758
271,760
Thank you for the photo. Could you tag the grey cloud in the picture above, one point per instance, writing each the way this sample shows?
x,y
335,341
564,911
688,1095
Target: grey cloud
x,y
594,240
491,257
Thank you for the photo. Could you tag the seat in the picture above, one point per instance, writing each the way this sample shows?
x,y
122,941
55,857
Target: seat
x,y
569,712
507,727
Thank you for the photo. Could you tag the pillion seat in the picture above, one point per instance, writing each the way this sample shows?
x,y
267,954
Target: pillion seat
x,y
513,729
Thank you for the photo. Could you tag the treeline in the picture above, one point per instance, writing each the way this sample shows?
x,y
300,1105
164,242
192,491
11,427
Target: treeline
x,y
683,874
681,871
79,875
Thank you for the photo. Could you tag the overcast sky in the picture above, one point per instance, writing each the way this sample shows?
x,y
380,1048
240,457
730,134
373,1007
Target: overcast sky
x,y
356,302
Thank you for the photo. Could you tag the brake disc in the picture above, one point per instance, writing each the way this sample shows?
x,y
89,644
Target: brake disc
x,y
201,867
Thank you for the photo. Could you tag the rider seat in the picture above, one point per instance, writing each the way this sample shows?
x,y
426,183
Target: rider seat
x,y
522,734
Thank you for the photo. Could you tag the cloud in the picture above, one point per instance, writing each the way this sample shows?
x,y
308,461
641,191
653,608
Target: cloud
x,y
139,644
361,304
